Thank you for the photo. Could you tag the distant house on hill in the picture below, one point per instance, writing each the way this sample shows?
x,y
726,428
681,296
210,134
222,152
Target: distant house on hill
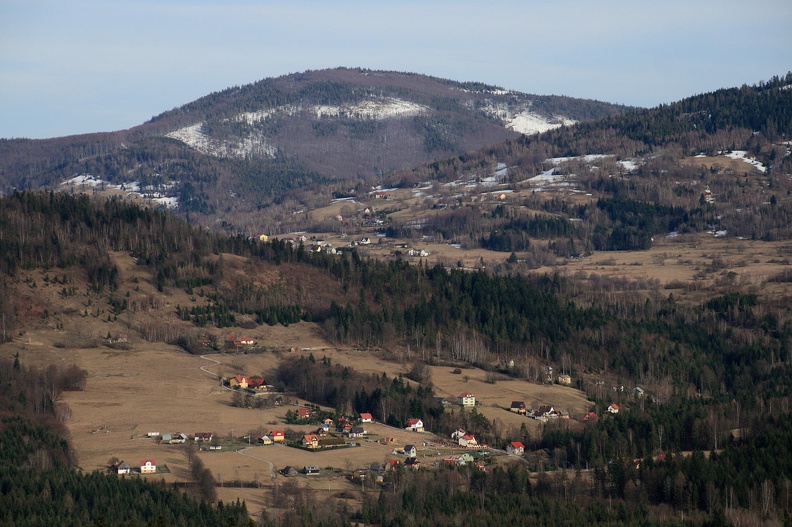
x,y
277,436
468,441
466,399
148,466
366,418
204,437
565,379
410,451
518,407
591,417
614,408
414,424
310,441
515,447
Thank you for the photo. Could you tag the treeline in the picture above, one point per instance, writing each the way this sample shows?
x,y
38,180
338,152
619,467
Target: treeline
x,y
38,481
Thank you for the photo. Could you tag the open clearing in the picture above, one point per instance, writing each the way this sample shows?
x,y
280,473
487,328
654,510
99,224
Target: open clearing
x,y
154,387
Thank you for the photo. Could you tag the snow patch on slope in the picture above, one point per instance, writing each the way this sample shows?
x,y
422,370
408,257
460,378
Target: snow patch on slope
x,y
193,136
378,109
524,120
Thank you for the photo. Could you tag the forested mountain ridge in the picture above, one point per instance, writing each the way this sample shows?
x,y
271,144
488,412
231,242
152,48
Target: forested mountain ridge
x,y
252,144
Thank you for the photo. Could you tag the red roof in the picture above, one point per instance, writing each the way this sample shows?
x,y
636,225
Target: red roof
x,y
276,433
466,394
469,437
614,405
517,444
142,463
413,421
366,416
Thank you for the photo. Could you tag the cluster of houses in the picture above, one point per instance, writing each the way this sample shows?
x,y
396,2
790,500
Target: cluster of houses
x,y
255,384
234,342
147,466
181,437
465,439
543,413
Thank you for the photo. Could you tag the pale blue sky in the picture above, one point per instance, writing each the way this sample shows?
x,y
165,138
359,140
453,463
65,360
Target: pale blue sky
x,y
79,66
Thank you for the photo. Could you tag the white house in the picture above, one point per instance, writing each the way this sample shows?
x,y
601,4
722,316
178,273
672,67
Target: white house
x,y
414,424
515,447
148,466
468,441
466,399
614,408
410,450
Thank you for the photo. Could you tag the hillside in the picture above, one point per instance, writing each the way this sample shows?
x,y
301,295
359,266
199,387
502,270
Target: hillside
x,y
291,142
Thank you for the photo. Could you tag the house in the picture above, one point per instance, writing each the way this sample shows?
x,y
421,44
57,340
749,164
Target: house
x,y
257,383
414,424
166,439
518,407
459,432
466,457
468,441
356,431
365,241
122,467
148,466
516,448
238,381
304,412
264,440
310,441
366,418
289,471
233,342
412,462
614,408
591,417
545,411
410,451
309,470
466,399
277,436
122,337
246,341
204,437
639,391
565,379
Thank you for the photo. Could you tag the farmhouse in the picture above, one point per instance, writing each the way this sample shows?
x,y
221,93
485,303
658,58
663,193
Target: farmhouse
x,y
518,407
591,417
148,466
466,399
412,462
565,379
289,471
515,447
121,467
310,441
264,440
410,451
614,408
414,424
468,441
204,437
304,412
238,381
277,436
356,431
310,470
366,418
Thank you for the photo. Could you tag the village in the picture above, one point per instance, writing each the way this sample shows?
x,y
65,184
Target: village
x,y
309,430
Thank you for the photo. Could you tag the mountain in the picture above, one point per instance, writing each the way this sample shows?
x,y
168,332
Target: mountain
x,y
234,151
